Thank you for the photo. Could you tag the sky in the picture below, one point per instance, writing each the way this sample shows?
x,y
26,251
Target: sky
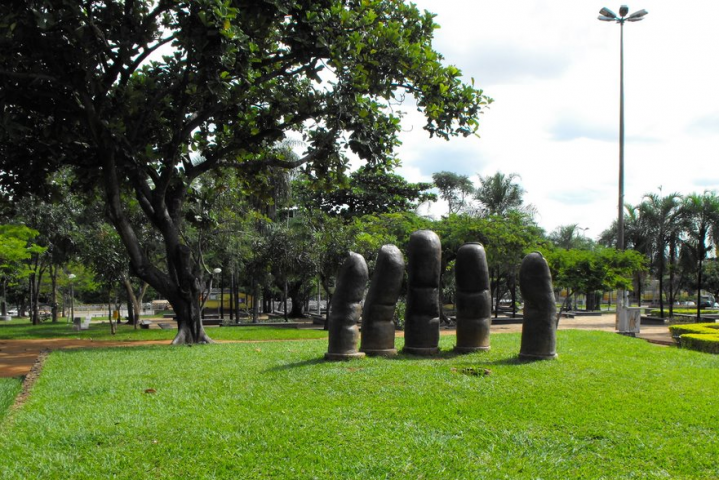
x,y
552,69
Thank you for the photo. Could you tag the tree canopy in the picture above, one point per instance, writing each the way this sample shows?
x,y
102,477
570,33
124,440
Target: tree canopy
x,y
143,97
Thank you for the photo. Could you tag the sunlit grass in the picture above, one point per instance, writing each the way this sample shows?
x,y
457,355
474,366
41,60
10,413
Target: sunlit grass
x,y
9,388
23,330
608,407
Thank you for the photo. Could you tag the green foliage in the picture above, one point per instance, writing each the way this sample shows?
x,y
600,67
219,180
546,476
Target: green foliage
x,y
589,271
368,191
684,311
375,418
700,342
702,328
703,337
498,195
17,246
83,87
399,313
455,189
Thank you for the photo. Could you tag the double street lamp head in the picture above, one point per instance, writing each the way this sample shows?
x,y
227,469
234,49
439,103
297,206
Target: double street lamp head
x,y
607,15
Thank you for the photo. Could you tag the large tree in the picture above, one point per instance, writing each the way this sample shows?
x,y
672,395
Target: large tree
x,y
143,97
702,213
498,195
455,189
663,218
368,191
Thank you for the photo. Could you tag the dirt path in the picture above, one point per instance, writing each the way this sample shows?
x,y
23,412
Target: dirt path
x,y
18,356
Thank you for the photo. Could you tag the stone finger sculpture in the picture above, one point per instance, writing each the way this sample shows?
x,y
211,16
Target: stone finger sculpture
x,y
539,330
473,299
346,308
422,315
378,312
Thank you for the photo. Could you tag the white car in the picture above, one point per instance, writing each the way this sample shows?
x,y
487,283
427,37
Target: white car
x,y
12,312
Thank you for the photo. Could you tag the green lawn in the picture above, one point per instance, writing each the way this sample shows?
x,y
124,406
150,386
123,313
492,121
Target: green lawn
x,y
9,388
23,329
609,407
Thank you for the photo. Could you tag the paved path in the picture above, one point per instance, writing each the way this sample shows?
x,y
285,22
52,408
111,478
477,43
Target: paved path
x,y
18,356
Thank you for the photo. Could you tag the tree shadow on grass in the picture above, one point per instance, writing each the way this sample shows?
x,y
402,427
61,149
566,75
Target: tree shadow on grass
x,y
292,366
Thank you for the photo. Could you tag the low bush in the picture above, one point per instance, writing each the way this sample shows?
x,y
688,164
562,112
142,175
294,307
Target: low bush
x,y
695,328
655,312
703,337
701,342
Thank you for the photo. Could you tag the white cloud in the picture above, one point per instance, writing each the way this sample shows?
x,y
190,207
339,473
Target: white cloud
x,y
553,70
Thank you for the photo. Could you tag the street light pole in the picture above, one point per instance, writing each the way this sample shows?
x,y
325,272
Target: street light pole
x,y
72,297
607,15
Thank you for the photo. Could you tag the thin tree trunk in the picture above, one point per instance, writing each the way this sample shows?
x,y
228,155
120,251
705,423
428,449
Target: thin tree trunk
x,y
53,295
255,303
284,300
132,302
232,296
672,261
699,285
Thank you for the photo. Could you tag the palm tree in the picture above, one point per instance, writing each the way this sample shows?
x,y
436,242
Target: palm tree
x,y
702,212
661,217
568,237
498,195
637,237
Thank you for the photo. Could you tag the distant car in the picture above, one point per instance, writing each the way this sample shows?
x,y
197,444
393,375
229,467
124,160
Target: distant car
x,y
12,312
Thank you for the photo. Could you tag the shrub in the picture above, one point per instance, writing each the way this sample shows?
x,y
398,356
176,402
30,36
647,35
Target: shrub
x,y
703,337
695,328
655,312
701,342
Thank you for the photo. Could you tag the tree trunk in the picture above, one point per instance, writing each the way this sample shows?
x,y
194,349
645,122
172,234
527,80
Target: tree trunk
x,y
513,290
232,296
672,260
699,286
3,306
255,302
53,295
133,304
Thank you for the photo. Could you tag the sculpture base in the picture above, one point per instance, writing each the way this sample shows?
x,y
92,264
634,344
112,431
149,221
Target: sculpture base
x,y
387,352
423,351
343,356
534,356
5,318
471,349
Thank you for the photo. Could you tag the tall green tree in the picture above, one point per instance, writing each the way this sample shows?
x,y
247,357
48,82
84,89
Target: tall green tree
x,y
455,189
702,212
498,194
367,191
568,237
85,85
589,271
663,219
16,247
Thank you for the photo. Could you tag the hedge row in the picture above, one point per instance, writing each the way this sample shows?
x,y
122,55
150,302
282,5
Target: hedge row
x,y
655,312
703,337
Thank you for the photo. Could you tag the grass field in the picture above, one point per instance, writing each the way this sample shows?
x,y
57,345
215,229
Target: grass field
x,y
22,330
9,388
609,407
